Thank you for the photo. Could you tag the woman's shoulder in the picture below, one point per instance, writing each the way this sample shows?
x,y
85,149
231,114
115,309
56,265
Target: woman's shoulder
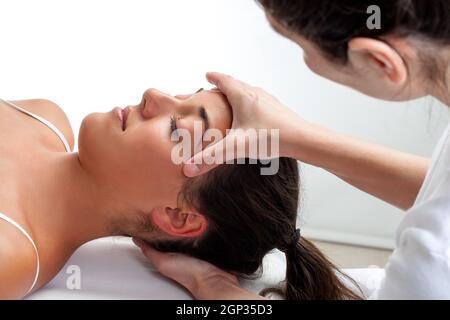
x,y
18,262
52,112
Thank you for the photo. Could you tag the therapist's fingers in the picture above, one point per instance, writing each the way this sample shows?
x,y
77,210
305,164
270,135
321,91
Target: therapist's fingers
x,y
224,82
167,263
156,257
214,155
252,106
253,109
234,89
202,162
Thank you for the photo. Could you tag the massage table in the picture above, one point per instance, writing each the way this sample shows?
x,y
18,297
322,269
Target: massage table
x,y
114,268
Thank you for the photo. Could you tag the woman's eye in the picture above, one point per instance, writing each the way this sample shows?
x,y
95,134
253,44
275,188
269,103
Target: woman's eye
x,y
173,127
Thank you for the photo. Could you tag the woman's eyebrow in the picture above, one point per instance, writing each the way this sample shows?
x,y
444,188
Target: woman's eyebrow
x,y
204,116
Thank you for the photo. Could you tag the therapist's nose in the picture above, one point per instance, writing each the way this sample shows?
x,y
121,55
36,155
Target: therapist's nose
x,y
156,103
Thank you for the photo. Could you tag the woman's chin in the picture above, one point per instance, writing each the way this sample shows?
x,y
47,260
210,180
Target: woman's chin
x,y
97,133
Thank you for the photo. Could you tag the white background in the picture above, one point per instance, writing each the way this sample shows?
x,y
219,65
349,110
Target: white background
x,y
94,55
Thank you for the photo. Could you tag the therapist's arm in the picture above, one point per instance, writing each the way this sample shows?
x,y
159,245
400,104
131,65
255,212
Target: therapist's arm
x,y
389,175
392,176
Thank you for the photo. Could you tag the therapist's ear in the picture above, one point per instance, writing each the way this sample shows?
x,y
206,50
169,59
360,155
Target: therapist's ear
x,y
378,58
179,223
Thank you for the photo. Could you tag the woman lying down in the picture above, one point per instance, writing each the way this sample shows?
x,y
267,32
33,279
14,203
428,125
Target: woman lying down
x,y
123,182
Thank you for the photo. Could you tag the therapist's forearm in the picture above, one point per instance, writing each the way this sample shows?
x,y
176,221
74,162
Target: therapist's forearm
x,y
392,176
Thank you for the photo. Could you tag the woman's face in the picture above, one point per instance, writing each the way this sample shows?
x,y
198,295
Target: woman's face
x,y
132,160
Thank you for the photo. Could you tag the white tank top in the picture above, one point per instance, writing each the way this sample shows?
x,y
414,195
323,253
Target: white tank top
x,y
11,221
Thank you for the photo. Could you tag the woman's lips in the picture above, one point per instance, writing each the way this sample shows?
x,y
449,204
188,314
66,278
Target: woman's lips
x,y
122,114
125,113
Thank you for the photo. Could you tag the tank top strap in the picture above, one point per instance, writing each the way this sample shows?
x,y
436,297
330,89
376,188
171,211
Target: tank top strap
x,y
44,121
22,230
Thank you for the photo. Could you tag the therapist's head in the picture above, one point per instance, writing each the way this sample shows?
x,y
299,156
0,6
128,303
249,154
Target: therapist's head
x,y
404,59
247,215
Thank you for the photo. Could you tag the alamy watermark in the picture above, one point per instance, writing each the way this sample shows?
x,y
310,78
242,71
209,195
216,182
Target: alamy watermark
x,y
241,147
374,20
73,281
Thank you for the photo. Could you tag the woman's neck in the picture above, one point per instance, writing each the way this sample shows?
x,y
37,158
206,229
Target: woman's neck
x,y
65,205
444,96
441,89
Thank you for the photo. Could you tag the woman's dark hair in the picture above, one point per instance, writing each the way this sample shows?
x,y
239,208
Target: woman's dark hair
x,y
332,24
249,215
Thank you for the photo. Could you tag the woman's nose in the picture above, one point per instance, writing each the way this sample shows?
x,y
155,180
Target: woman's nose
x,y
156,102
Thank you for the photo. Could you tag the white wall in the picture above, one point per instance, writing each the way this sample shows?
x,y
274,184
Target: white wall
x,y
93,55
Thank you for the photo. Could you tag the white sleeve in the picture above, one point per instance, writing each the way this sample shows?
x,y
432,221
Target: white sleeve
x,y
419,268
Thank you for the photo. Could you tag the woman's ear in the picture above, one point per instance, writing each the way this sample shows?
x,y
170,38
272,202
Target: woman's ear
x,y
377,56
179,223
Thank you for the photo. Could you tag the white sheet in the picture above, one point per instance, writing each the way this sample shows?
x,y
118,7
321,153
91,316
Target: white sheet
x,y
113,268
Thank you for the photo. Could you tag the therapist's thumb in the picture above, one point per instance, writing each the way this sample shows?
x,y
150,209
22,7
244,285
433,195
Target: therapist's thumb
x,y
208,159
228,85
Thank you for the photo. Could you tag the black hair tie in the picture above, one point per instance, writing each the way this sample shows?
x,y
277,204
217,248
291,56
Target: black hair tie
x,y
296,237
293,244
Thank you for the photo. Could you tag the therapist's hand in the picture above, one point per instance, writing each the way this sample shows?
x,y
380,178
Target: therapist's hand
x,y
253,108
201,278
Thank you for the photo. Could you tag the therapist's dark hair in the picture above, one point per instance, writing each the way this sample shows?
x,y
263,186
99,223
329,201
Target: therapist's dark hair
x,y
331,24
250,215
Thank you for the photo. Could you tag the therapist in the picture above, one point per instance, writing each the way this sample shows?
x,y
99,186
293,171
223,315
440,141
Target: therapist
x,y
407,58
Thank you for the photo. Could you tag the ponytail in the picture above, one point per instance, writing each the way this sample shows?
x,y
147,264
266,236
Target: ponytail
x,y
311,276
244,226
